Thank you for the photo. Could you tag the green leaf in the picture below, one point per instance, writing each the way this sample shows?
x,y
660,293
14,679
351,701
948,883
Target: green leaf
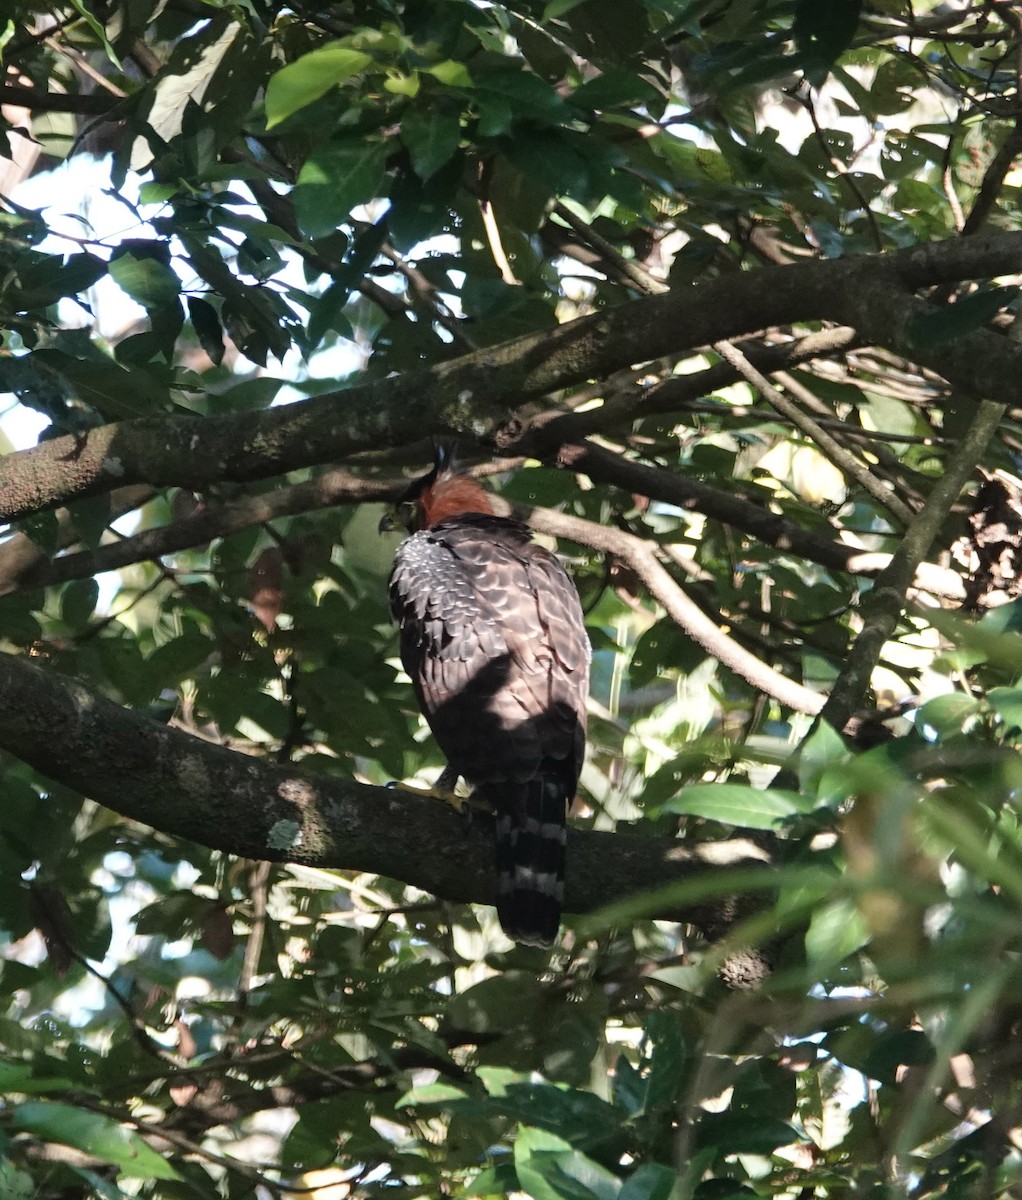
x,y
578,1116
496,1004
215,50
529,96
145,278
78,602
206,323
1007,703
498,1180
744,1134
652,1181
895,1048
80,272
431,137
95,1134
334,181
738,804
949,714
822,749
835,931
302,82
993,638
452,74
85,10
557,8
402,85
549,1169
19,1077
955,320
111,389
15,1184
43,280
822,32
667,1054
156,193
431,1093
612,89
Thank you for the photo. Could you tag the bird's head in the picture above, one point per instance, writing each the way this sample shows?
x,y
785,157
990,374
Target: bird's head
x,y
443,492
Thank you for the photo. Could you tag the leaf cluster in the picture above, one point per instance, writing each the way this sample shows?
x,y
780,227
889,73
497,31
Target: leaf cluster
x,y
346,208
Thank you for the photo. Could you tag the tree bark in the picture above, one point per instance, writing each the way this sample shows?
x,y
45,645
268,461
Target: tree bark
x,y
474,394
188,788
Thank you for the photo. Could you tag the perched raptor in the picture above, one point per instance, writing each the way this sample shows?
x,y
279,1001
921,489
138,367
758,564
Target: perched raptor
x,y
493,639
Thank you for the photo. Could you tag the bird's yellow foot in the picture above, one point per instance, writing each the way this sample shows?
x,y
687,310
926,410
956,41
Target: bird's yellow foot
x,y
459,803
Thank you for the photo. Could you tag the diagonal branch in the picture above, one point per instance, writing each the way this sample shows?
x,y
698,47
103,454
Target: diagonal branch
x,y
472,394
641,556
632,399
846,462
885,604
741,510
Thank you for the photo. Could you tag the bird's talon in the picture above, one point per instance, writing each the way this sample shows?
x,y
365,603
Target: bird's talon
x,y
458,803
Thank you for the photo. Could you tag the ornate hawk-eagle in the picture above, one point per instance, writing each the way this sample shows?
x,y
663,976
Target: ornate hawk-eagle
x,y
493,638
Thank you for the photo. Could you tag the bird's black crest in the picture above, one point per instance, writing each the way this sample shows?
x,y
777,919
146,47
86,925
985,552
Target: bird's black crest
x,y
445,458
445,454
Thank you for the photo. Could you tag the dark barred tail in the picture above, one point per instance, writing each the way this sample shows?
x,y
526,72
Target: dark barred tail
x,y
531,837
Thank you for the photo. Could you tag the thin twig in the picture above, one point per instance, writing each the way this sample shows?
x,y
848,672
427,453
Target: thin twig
x,y
429,302
846,462
83,65
497,252
632,272
258,878
952,198
54,930
806,99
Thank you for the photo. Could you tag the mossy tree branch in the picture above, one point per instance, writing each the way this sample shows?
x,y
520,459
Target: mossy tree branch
x,y
229,801
477,392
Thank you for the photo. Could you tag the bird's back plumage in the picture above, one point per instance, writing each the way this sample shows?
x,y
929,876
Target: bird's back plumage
x,y
493,638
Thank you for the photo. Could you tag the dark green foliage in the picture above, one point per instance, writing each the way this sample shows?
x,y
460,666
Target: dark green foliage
x,y
312,197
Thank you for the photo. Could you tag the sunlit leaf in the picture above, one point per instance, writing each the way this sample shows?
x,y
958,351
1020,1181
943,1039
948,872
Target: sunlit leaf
x,y
145,278
736,804
549,1169
949,714
302,82
95,1134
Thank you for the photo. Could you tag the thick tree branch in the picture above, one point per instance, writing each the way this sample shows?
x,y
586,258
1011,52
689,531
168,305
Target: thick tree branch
x,y
24,564
472,394
93,104
191,789
633,399
332,487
